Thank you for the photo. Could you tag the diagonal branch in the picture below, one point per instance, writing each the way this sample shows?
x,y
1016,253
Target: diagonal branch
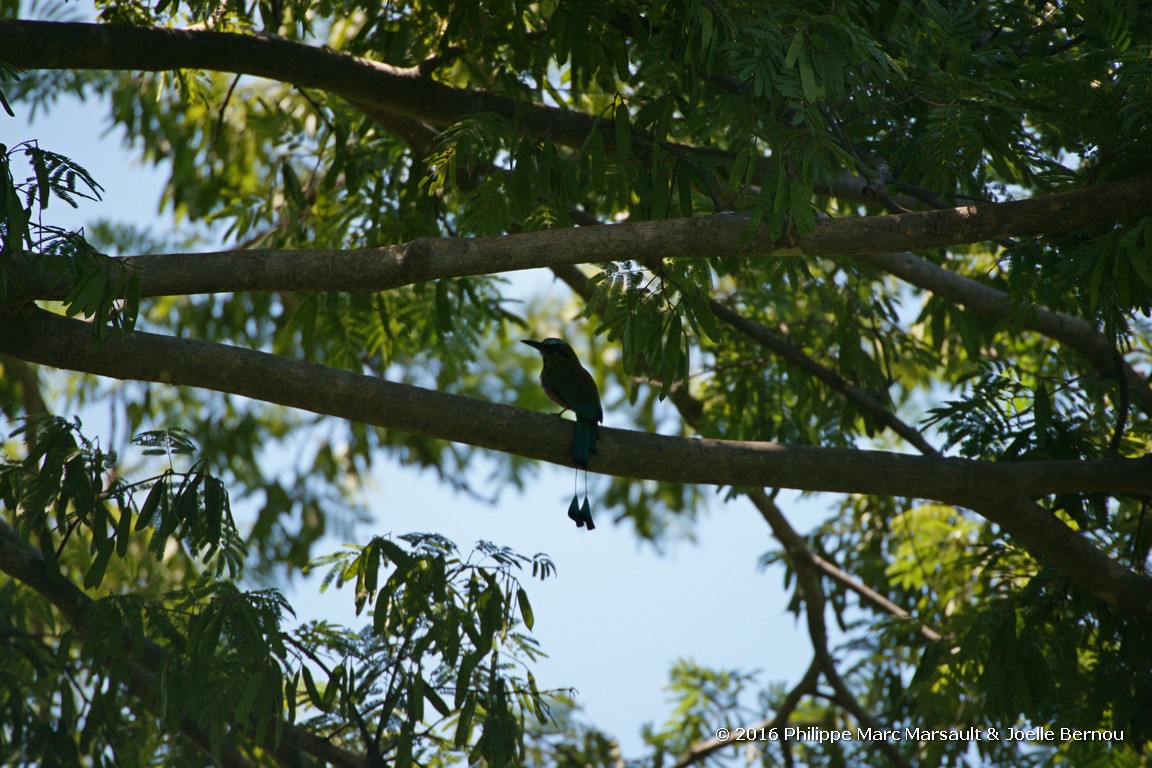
x,y
702,750
809,568
1022,517
1073,332
865,402
803,557
808,582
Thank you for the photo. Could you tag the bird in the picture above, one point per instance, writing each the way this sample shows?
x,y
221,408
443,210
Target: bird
x,y
572,388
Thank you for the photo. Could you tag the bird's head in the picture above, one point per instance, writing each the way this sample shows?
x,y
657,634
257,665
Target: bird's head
x,y
552,346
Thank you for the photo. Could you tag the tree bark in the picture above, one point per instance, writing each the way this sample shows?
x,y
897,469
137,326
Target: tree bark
x,y
41,337
871,238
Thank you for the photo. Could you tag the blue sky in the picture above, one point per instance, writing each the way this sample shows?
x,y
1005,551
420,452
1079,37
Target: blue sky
x,y
618,614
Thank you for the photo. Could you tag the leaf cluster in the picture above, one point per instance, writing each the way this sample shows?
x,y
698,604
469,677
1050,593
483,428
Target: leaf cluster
x,y
445,630
64,490
102,289
443,635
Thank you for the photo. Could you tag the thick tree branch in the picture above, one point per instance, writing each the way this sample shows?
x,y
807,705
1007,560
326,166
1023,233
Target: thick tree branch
x,y
707,237
1019,516
1045,536
987,487
400,98
39,336
403,91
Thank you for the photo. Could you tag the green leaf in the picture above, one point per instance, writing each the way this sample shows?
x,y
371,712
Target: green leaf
x,y
436,701
525,608
671,355
252,691
464,676
95,574
131,302
314,696
701,317
86,294
416,699
158,494
291,686
123,530
335,681
464,722
368,577
43,189
808,79
17,216
292,185
795,49
215,500
623,130
404,750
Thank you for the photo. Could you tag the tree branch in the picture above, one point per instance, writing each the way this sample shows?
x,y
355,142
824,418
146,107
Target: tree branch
x,y
803,557
872,238
865,402
403,91
1022,517
812,591
1073,332
388,94
39,336
701,750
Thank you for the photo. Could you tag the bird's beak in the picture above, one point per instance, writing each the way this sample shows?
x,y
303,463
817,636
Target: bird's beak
x,y
532,343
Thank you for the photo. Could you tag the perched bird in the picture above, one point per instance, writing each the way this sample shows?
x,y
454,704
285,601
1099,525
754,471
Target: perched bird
x,y
573,389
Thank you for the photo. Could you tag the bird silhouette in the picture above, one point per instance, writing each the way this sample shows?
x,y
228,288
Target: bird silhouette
x,y
572,388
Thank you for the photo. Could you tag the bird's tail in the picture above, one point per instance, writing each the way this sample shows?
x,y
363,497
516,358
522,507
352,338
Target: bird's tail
x,y
586,515
584,442
581,514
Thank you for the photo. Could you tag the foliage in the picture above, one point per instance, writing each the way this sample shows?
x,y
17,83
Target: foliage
x,y
96,280
566,114
444,630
